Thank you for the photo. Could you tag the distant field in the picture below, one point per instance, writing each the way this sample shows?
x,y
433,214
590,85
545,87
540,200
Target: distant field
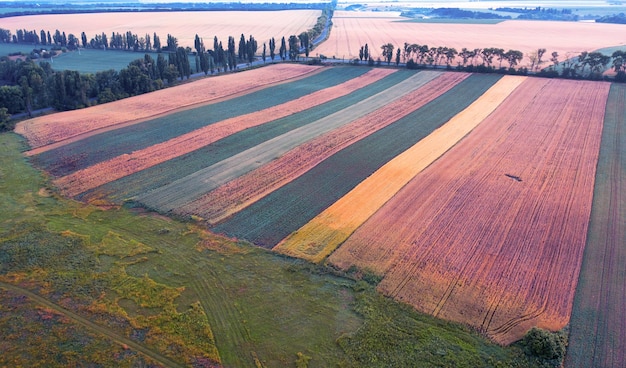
x,y
85,61
456,21
262,25
92,61
9,48
349,33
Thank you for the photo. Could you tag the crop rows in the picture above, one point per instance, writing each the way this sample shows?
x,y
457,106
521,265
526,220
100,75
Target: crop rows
x,y
492,234
124,165
47,130
598,329
269,220
93,149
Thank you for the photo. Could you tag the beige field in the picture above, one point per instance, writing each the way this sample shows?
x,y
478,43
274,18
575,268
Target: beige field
x,y
262,25
351,30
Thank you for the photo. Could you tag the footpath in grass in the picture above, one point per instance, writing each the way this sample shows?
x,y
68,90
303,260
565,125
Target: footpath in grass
x,y
179,167
597,326
272,218
78,155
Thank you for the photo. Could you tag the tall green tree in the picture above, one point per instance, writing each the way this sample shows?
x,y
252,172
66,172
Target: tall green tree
x,y
294,47
304,43
387,52
263,54
283,49
241,51
251,48
272,48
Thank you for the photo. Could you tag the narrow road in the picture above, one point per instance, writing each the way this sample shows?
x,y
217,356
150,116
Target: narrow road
x,y
155,356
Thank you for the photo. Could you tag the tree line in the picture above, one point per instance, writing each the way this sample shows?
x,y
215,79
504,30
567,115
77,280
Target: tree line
x,y
586,65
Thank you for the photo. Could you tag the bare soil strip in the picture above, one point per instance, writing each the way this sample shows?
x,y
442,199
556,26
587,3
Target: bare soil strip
x,y
247,189
322,235
47,130
179,192
466,242
153,355
597,328
127,164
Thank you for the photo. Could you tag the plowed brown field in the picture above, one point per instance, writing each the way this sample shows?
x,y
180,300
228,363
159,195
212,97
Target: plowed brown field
x,y
126,164
262,25
350,32
245,190
492,234
47,130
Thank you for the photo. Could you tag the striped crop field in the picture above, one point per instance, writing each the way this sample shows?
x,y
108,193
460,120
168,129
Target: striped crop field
x,y
470,195
45,131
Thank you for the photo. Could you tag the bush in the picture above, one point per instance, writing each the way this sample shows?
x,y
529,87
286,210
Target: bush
x,y
547,346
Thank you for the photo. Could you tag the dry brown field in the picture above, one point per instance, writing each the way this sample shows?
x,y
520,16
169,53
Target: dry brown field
x,y
120,166
245,190
351,31
43,132
492,234
262,25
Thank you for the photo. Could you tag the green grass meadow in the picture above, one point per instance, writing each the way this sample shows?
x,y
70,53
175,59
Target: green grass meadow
x,y
81,285
93,61
87,61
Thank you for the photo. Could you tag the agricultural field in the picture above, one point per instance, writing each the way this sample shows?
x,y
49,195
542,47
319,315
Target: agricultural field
x,y
90,61
351,31
597,326
80,285
262,25
465,196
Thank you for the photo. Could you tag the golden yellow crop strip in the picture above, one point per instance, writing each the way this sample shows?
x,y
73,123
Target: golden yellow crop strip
x,y
323,234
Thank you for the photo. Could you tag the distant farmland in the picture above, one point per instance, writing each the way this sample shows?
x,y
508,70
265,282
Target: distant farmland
x,y
351,30
262,25
470,195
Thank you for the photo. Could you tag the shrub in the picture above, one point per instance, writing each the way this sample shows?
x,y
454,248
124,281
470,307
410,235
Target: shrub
x,y
549,347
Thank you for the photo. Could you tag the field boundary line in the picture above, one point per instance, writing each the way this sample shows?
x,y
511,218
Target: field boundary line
x,y
329,229
114,336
